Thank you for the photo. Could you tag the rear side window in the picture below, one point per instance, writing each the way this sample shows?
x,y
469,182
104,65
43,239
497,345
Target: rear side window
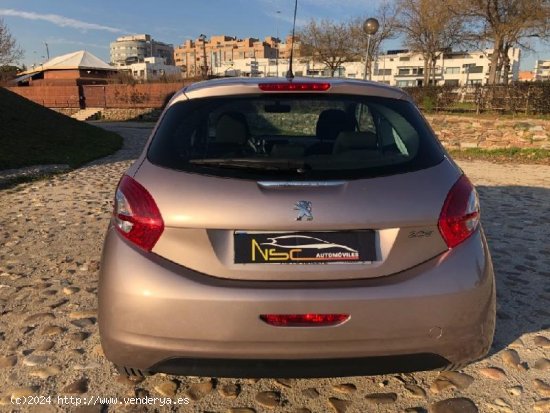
x,y
296,136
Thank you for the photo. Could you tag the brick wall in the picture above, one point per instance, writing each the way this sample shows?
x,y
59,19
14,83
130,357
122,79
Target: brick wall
x,y
149,95
50,96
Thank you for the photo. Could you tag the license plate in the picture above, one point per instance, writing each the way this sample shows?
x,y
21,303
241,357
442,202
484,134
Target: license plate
x,y
304,247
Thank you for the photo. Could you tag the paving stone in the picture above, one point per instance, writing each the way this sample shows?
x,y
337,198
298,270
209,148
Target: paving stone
x,y
493,373
39,317
455,405
541,387
78,337
167,388
515,391
339,406
83,322
415,391
24,391
70,290
76,315
440,385
345,388
199,390
287,383
8,361
45,345
460,380
45,372
79,386
52,331
269,399
129,381
542,405
380,398
541,341
510,358
230,391
542,364
311,393
34,360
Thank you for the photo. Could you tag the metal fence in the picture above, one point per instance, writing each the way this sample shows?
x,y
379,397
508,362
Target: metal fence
x,y
516,98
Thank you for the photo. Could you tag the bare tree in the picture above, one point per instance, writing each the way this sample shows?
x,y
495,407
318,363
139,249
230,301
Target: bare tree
x,y
329,42
386,15
430,28
505,24
10,52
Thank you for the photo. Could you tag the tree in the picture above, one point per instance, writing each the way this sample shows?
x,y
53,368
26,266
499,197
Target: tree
x,y
329,43
505,24
10,52
386,15
430,28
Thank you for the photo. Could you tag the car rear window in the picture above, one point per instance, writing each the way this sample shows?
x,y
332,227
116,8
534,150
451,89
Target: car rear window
x,y
297,136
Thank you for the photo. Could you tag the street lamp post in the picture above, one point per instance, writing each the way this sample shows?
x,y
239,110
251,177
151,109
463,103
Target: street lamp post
x,y
205,67
370,27
278,44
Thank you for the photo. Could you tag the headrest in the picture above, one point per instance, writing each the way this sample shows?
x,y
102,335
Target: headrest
x,y
232,128
349,141
331,122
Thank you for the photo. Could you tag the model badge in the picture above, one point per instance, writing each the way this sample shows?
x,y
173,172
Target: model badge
x,y
304,210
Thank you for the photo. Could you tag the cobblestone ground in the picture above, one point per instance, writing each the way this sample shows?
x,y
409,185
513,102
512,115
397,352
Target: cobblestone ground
x,y
50,241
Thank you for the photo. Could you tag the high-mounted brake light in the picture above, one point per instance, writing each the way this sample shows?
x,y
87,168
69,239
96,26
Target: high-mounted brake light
x,y
304,320
136,215
294,87
460,214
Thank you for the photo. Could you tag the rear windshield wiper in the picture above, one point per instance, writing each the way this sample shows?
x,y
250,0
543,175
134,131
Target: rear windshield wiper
x,y
275,164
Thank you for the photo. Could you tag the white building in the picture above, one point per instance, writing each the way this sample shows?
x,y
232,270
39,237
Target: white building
x,y
402,68
397,68
152,68
542,70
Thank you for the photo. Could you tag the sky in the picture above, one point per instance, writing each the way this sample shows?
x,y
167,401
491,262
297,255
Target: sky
x,y
71,25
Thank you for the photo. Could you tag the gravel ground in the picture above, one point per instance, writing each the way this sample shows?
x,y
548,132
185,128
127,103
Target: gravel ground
x,y
51,233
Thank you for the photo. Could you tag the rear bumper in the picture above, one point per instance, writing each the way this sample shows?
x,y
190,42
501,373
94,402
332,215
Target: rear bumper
x,y
158,316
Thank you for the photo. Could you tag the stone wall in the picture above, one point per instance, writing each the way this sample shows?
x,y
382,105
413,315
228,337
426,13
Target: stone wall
x,y
66,111
143,114
462,132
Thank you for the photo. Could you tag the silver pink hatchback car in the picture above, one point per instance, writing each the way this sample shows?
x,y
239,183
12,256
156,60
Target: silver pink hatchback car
x,y
304,228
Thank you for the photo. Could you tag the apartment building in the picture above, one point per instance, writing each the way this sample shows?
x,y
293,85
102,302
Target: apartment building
x,y
220,53
542,70
135,48
405,69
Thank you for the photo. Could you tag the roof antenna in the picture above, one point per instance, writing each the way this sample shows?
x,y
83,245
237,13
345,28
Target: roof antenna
x,y
290,74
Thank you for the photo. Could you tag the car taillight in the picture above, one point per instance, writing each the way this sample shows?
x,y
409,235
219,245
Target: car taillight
x,y
136,215
304,320
460,214
294,87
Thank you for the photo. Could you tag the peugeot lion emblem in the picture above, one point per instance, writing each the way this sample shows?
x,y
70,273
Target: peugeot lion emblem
x,y
304,210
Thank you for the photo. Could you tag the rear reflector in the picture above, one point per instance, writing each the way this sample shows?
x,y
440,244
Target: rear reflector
x,y
304,320
294,87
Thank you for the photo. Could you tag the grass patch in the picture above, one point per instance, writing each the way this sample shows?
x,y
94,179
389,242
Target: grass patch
x,y
31,134
490,115
513,155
